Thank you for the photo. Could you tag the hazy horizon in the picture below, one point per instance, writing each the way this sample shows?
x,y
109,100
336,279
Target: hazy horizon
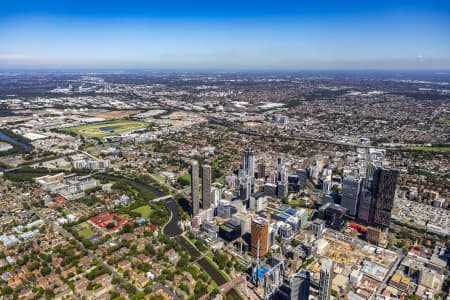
x,y
227,36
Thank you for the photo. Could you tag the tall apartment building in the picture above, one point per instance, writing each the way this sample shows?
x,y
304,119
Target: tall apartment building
x,y
259,236
194,188
326,277
206,186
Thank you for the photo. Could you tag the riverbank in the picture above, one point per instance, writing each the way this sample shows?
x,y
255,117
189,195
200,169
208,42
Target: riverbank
x,y
17,141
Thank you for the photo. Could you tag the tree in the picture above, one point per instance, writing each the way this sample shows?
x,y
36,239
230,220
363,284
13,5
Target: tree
x,y
45,271
7,290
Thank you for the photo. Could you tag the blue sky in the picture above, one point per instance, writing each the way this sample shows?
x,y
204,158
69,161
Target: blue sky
x,y
235,35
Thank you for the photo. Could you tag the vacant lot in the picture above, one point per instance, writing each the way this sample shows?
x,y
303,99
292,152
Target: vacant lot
x,y
108,128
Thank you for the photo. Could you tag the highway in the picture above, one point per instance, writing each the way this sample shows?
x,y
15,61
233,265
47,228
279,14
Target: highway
x,y
247,131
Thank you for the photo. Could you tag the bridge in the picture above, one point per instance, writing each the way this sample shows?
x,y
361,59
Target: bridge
x,y
162,198
226,287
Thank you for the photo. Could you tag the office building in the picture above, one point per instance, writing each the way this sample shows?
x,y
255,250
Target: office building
x,y
302,178
293,180
333,215
326,185
248,162
326,277
270,189
282,189
351,194
383,193
258,202
259,236
280,169
194,188
365,202
246,188
206,186
230,230
299,284
377,196
215,196
244,220
317,227
261,171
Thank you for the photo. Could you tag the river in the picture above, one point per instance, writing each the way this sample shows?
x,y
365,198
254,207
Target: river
x,y
172,230
11,140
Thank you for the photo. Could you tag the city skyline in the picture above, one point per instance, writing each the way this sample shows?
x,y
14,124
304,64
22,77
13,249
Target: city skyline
x,y
225,36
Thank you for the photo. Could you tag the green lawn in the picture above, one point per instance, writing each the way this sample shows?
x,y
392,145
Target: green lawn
x,y
86,233
185,179
295,203
160,178
107,128
444,121
431,149
144,211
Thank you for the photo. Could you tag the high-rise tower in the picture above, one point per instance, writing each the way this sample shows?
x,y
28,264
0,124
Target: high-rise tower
x,y
351,194
262,171
248,162
206,186
194,188
299,284
384,185
377,196
259,236
326,277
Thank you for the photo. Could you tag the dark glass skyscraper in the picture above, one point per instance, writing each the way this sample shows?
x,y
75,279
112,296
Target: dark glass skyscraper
x,y
299,284
351,194
383,193
365,202
377,196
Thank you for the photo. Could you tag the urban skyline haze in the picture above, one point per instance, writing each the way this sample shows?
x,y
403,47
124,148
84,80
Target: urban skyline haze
x,y
229,35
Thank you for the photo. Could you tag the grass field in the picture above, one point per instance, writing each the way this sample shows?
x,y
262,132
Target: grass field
x,y
431,149
144,211
108,128
160,178
444,121
86,233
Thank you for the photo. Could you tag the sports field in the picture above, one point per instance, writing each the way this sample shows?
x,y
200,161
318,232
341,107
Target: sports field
x,y
108,128
144,211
